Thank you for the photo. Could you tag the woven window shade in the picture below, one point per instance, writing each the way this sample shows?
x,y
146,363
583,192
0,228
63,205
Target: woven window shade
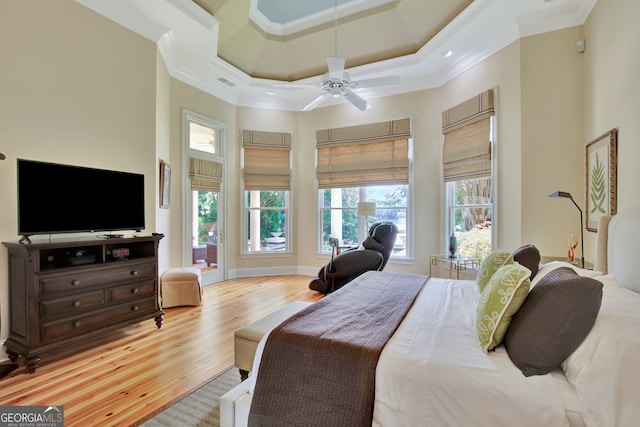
x,y
205,175
467,143
267,164
375,154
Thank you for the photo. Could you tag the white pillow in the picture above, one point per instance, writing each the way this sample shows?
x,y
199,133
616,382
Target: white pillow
x,y
546,268
604,369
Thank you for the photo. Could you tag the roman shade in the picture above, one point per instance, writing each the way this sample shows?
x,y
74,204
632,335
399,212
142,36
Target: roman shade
x,y
467,143
205,175
267,165
373,154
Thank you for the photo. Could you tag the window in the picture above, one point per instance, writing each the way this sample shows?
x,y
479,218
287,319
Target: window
x,y
470,214
266,165
267,220
339,214
365,163
468,169
204,138
206,208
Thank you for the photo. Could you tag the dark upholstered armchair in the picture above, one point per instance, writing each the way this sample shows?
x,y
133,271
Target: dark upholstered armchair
x,y
373,254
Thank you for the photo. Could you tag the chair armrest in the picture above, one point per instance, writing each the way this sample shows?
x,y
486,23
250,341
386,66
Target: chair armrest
x,y
353,262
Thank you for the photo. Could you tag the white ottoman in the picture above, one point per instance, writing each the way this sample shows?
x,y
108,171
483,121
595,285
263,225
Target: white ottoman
x,y
181,286
246,339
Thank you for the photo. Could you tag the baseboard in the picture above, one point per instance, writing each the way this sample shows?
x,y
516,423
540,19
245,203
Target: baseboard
x,y
272,271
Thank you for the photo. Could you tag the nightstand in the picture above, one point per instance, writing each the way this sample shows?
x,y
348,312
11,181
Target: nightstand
x,y
546,259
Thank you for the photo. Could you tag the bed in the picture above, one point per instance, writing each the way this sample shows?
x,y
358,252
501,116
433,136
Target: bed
x,y
433,371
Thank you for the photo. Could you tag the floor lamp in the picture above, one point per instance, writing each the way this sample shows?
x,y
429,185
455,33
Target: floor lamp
x,y
565,195
366,209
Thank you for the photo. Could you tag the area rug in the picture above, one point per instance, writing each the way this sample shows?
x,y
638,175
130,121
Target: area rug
x,y
200,408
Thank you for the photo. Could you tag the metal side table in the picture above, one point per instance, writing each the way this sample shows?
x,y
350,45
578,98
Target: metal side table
x,y
456,264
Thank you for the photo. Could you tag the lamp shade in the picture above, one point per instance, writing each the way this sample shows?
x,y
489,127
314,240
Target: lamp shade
x,y
366,209
562,194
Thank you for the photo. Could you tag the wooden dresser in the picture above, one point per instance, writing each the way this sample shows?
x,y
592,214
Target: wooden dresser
x,y
65,293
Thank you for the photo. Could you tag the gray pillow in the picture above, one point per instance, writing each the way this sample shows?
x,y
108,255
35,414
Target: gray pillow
x,y
553,321
529,256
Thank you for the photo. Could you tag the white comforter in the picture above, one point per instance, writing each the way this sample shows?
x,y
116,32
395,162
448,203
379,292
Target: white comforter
x,y
433,372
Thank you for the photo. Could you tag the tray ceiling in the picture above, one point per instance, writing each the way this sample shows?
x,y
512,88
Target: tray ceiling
x,y
237,50
290,40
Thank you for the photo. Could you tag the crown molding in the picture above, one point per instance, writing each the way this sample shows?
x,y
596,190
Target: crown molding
x,y
187,38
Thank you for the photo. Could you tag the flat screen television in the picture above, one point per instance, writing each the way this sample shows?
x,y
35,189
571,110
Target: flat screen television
x,y
57,198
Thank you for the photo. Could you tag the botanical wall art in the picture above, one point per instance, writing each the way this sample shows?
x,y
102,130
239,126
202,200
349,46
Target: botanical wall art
x,y
165,184
601,178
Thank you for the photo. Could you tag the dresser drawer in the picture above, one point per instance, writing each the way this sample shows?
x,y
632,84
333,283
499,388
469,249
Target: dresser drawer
x,y
72,305
78,281
131,291
81,324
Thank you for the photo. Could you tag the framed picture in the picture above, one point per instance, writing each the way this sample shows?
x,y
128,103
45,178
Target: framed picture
x,y
165,184
601,173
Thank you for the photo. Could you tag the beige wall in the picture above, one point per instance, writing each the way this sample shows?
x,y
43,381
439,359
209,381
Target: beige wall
x,y
187,97
423,108
78,88
552,140
259,264
75,88
163,152
612,91
502,72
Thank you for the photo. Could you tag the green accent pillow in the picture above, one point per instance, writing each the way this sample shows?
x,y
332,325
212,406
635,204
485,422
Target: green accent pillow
x,y
490,264
500,300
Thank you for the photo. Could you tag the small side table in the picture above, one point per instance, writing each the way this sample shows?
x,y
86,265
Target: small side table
x,y
456,264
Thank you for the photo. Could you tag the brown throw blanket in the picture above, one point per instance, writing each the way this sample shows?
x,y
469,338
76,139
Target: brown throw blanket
x,y
318,367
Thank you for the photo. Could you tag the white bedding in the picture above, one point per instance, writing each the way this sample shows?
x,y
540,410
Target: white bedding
x,y
605,369
434,373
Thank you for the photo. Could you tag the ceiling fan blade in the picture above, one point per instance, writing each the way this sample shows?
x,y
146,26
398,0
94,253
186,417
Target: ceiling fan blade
x,y
377,82
313,104
359,103
336,66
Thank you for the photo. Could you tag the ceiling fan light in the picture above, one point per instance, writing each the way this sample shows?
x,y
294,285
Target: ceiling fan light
x,y
335,92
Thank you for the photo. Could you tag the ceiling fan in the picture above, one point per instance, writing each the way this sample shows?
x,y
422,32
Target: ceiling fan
x,y
337,82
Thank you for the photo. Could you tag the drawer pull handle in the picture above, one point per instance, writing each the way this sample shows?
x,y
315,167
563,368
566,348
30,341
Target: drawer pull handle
x,y
134,291
76,283
135,308
76,324
134,272
76,304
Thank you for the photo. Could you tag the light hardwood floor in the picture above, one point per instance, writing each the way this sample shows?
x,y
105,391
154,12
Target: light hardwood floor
x,y
139,370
